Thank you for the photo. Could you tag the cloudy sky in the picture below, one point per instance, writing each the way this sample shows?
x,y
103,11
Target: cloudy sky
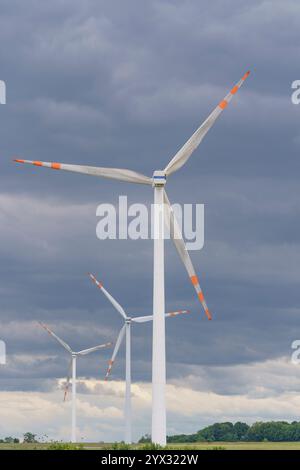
x,y
124,84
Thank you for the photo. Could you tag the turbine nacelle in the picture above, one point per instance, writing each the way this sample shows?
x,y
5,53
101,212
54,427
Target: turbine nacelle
x,y
159,178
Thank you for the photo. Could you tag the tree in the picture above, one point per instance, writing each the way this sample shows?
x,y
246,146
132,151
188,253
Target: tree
x,y
218,432
240,430
8,440
270,431
145,439
29,437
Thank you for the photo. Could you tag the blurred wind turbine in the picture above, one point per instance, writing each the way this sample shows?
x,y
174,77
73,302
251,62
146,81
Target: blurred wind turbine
x,y
72,370
126,330
162,212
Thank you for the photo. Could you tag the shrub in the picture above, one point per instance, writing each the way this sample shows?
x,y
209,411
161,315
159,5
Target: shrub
x,y
118,446
64,446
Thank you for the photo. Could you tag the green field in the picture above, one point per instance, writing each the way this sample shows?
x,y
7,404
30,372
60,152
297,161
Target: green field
x,y
198,446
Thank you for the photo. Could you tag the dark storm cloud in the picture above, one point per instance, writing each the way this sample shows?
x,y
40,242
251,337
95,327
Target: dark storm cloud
x,y
124,85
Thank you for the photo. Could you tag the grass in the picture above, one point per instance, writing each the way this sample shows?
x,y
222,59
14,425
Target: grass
x,y
209,446
186,446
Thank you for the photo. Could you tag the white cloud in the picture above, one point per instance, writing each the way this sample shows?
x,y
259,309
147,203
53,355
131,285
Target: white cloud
x,y
266,392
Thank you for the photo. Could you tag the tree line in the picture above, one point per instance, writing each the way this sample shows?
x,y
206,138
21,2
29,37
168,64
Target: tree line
x,y
28,437
273,431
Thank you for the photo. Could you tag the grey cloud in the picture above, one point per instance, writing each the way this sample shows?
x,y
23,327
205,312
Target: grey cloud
x,y
103,84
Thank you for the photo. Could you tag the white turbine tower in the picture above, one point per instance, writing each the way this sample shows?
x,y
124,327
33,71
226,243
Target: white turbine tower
x,y
72,370
126,331
161,205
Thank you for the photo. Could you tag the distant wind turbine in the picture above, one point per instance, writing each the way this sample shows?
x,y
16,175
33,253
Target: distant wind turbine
x,y
72,370
162,210
126,331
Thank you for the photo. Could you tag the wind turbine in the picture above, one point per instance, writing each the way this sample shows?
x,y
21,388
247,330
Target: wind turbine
x,y
126,331
162,210
72,369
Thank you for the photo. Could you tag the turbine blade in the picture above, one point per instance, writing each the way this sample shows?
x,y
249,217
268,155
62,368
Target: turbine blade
x,y
66,387
150,317
112,173
176,235
115,352
109,297
177,312
63,343
142,319
95,348
185,152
